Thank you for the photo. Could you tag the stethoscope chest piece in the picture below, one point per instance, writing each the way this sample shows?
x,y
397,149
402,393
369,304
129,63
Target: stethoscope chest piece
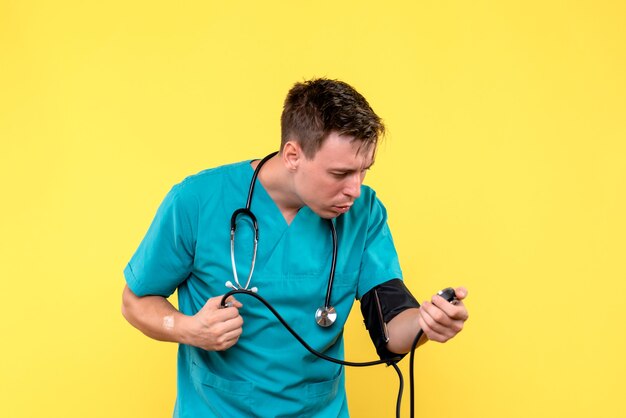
x,y
325,316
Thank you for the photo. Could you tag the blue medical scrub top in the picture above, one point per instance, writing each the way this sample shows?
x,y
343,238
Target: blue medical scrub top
x,y
267,373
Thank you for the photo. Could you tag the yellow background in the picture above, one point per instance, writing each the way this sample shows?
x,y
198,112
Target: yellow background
x,y
504,171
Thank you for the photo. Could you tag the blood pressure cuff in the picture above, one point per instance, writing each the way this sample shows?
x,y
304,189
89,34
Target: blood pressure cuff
x,y
379,306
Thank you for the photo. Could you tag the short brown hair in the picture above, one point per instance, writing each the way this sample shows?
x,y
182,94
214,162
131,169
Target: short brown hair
x,y
315,108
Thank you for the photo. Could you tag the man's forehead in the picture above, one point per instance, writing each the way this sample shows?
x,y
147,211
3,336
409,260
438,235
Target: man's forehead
x,y
367,150
356,158
347,150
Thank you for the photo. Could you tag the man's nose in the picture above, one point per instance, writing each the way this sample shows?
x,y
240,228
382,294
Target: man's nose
x,y
353,186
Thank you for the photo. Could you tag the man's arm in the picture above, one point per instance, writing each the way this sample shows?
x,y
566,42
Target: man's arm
x,y
212,328
439,319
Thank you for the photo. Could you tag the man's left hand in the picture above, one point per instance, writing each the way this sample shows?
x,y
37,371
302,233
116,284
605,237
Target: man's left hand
x,y
441,320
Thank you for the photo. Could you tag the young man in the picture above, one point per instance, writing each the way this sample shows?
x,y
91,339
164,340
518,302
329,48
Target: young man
x,y
308,192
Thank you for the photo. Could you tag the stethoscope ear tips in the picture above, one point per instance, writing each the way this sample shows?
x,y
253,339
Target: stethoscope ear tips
x,y
230,285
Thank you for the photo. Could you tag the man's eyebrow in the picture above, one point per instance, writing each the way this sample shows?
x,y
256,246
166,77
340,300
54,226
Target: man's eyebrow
x,y
351,169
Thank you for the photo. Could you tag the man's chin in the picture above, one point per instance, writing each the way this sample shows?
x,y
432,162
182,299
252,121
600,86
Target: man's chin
x,y
330,213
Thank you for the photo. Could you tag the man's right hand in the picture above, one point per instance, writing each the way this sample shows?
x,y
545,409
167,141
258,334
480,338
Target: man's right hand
x,y
214,328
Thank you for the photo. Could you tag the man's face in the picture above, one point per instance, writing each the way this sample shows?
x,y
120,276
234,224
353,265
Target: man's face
x,y
330,182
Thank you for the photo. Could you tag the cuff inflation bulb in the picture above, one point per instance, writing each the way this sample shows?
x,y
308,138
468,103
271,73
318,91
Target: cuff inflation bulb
x,y
449,295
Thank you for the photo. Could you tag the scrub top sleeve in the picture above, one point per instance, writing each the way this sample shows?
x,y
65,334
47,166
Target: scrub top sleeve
x,y
165,256
380,260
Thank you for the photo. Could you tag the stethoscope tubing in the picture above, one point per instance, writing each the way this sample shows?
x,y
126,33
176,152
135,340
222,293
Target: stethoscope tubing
x,y
333,265
300,339
254,177
393,361
233,228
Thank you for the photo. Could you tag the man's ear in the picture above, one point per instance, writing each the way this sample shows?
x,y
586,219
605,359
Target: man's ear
x,y
292,155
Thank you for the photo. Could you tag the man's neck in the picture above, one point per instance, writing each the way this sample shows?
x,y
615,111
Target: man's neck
x,y
277,181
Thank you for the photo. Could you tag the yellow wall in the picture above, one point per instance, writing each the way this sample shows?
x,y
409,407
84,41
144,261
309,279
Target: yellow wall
x,y
504,170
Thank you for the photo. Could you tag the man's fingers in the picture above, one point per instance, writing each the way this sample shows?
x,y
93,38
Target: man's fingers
x,y
229,335
233,335
233,324
455,311
460,292
216,302
231,301
433,317
429,332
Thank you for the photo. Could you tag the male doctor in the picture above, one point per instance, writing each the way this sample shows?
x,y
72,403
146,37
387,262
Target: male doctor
x,y
238,360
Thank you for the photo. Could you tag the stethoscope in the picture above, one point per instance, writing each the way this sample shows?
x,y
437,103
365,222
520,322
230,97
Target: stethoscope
x,y
325,315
